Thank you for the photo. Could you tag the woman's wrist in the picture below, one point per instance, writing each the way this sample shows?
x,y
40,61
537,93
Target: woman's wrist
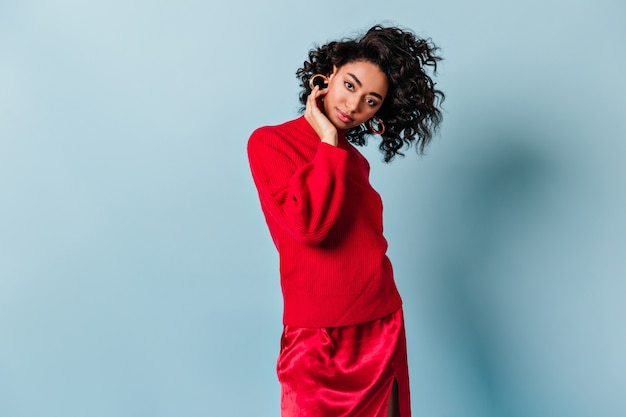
x,y
330,139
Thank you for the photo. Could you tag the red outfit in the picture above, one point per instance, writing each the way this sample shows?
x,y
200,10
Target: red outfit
x,y
344,371
326,222
343,343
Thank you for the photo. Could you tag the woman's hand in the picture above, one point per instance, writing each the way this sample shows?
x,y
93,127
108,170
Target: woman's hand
x,y
317,119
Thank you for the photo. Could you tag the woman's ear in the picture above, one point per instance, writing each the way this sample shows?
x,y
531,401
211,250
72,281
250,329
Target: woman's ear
x,y
332,74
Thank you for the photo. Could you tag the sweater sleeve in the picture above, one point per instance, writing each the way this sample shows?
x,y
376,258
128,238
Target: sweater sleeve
x,y
304,200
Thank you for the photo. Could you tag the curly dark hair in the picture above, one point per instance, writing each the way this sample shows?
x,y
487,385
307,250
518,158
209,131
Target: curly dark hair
x,y
411,106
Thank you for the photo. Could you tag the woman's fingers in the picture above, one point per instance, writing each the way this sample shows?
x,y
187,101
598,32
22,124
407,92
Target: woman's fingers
x,y
313,101
317,119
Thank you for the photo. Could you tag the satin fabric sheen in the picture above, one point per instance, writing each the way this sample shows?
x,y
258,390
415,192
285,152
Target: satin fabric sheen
x,y
344,371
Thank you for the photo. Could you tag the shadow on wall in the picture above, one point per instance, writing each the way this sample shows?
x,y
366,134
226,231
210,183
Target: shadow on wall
x,y
486,234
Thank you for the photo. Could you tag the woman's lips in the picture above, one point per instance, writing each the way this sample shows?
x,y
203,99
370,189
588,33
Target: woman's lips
x,y
343,116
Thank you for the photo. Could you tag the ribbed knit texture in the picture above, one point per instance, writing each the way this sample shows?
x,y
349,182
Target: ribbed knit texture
x,y
326,222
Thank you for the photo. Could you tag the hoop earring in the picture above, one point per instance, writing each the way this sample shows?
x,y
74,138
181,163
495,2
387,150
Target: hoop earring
x,y
381,125
314,77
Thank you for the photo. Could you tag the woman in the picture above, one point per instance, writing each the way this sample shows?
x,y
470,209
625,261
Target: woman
x,y
343,349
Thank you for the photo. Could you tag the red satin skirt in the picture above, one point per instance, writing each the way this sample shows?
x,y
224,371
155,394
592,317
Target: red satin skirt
x,y
344,371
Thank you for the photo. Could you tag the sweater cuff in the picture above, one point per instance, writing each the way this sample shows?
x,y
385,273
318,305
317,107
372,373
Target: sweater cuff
x,y
332,155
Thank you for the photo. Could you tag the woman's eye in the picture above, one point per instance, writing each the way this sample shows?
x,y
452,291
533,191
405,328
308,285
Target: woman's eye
x,y
371,102
348,85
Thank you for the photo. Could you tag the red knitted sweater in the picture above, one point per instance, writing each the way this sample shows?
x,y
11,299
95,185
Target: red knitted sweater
x,y
326,222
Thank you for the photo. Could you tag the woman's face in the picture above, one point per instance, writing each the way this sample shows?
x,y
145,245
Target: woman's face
x,y
355,93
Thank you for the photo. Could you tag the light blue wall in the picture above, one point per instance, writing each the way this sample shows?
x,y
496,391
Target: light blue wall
x,y
137,277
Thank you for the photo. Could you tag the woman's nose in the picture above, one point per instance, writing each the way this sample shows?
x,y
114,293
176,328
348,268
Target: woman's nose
x,y
352,105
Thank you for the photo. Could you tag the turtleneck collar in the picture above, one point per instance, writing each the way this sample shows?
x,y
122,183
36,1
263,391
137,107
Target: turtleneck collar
x,y
303,124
